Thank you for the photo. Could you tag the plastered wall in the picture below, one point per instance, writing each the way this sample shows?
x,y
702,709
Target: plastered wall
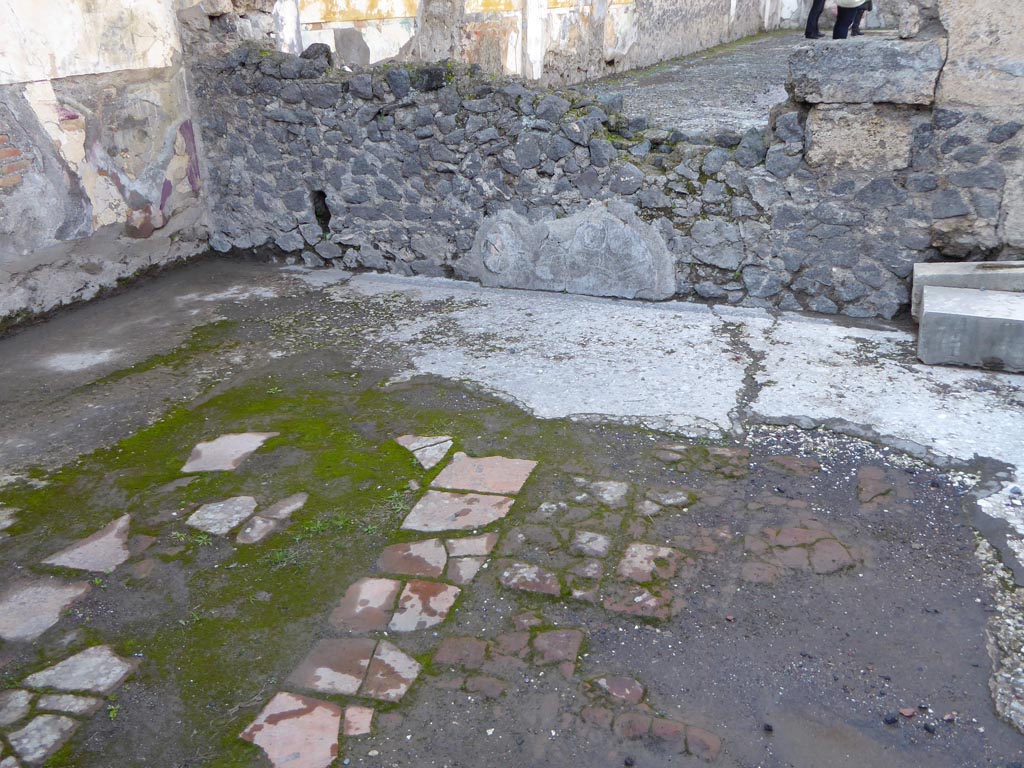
x,y
555,41
95,126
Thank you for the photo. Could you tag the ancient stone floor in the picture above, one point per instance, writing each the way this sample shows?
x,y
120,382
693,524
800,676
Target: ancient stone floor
x,y
732,87
254,515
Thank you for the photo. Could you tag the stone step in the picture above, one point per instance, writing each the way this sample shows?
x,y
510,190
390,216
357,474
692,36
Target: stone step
x,y
967,326
989,275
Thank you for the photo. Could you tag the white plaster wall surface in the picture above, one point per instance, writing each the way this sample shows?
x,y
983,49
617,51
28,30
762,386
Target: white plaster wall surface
x,y
535,30
667,28
47,39
312,11
384,38
385,25
792,11
287,26
69,138
566,43
495,41
620,31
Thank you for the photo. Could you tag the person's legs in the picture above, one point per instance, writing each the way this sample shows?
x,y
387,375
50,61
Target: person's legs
x,y
811,30
844,20
855,29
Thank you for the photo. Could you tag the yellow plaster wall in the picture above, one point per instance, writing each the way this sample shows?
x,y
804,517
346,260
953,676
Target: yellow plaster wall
x,y
330,11
493,6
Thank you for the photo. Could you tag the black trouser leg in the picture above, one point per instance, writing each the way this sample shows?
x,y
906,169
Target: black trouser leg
x,y
844,20
811,30
855,29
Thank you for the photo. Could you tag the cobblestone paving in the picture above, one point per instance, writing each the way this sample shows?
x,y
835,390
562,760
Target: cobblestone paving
x,y
611,544
97,670
299,732
732,87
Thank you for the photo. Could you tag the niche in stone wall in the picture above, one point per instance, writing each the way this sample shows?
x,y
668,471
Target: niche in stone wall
x,y
320,209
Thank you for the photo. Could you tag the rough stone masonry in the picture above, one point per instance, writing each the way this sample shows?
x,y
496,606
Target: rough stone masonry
x,y
413,169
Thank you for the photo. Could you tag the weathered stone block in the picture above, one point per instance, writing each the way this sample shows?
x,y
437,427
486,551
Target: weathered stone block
x,y
602,152
789,128
1012,225
982,275
627,179
1003,132
601,251
867,72
291,68
922,182
860,136
551,108
429,78
948,204
781,164
361,86
399,82
714,161
963,326
979,70
752,148
990,176
762,282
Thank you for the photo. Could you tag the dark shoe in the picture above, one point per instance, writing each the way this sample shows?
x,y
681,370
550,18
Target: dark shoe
x,y
815,36
856,33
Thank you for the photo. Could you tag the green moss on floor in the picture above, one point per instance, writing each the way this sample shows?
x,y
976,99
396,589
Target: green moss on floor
x,y
204,338
233,620
218,626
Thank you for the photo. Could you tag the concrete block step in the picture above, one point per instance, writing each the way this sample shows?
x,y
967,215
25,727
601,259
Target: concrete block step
x,y
967,326
989,275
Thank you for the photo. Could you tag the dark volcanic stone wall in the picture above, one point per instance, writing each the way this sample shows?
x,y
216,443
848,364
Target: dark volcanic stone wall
x,y
396,168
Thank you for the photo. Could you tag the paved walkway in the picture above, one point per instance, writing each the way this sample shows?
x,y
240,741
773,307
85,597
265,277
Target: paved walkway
x,y
732,87
382,521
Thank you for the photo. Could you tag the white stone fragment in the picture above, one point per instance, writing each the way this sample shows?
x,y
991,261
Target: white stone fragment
x,y
43,736
97,669
102,552
226,452
220,517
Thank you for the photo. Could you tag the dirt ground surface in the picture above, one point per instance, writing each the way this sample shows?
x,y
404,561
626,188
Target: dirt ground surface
x,y
705,564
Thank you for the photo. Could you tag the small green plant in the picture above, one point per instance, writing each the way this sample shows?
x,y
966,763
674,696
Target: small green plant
x,y
396,502
280,558
312,528
112,710
318,525
275,391
203,539
99,582
179,537
340,521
